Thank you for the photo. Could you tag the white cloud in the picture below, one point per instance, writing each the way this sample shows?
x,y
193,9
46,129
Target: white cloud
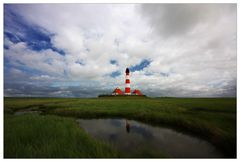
x,y
46,61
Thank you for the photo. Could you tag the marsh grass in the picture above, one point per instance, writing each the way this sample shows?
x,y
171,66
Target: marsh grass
x,y
35,136
211,118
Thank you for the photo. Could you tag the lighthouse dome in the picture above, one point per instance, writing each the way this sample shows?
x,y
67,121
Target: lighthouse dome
x,y
127,70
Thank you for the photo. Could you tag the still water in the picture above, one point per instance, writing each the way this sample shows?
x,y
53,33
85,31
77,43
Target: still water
x,y
22,112
136,139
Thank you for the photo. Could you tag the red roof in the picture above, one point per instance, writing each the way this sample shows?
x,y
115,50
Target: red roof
x,y
117,91
137,92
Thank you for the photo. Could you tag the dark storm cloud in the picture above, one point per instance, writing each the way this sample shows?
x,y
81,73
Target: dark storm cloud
x,y
26,89
178,19
225,91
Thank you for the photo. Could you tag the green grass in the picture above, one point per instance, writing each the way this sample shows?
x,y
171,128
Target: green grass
x,y
31,136
211,118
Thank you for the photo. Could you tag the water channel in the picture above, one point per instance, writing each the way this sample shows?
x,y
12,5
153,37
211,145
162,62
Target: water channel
x,y
135,138
22,112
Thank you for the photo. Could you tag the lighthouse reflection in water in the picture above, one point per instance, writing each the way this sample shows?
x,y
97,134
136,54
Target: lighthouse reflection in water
x,y
127,126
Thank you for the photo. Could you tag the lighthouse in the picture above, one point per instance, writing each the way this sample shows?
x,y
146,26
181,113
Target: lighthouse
x,y
127,92
127,83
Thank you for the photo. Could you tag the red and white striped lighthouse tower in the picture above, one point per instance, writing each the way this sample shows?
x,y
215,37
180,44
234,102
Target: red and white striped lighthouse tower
x,y
127,83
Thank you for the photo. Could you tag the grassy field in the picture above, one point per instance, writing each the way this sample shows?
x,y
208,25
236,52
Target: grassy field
x,y
211,118
30,136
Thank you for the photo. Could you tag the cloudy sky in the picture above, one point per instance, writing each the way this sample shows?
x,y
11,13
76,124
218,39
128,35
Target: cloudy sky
x,y
82,50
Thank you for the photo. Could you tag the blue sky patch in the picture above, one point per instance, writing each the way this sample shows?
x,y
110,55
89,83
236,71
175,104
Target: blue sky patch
x,y
13,38
115,74
6,47
144,63
113,62
80,62
16,29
